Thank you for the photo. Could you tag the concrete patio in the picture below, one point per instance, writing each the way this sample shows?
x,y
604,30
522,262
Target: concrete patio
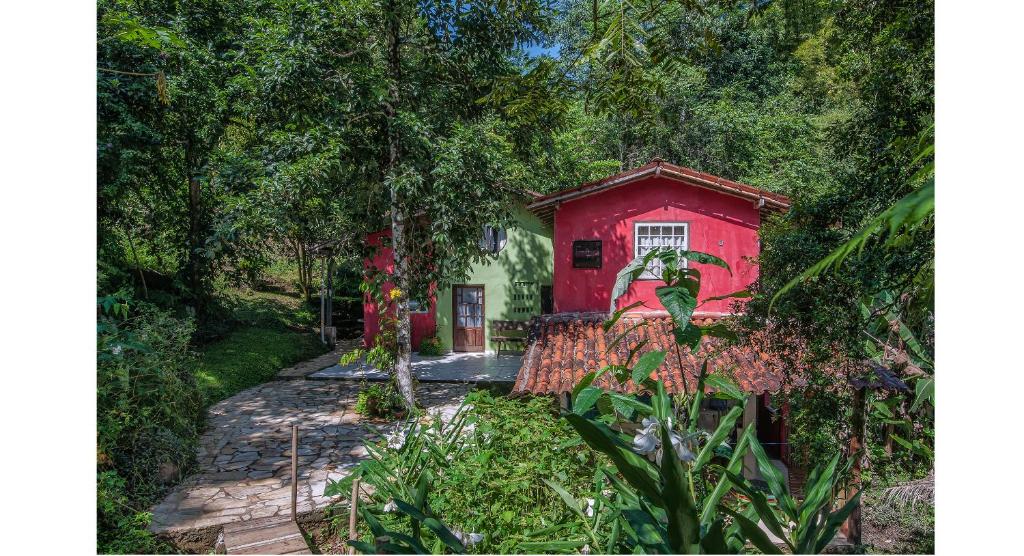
x,y
454,367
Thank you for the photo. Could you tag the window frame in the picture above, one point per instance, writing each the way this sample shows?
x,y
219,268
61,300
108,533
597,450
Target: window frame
x,y
600,254
422,309
647,273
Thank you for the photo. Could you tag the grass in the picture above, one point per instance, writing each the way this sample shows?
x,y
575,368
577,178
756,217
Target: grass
x,y
270,331
249,357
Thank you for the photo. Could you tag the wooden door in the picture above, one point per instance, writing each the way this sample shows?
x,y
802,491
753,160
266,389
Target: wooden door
x,y
468,309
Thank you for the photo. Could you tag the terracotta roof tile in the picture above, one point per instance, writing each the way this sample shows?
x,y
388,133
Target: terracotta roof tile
x,y
562,348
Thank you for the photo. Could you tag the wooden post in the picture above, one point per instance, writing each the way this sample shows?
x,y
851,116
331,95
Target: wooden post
x,y
295,467
852,528
352,515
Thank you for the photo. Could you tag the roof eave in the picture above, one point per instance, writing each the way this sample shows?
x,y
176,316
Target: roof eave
x,y
764,199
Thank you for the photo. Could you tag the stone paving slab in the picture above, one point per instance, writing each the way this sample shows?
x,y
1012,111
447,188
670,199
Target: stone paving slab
x,y
454,367
244,460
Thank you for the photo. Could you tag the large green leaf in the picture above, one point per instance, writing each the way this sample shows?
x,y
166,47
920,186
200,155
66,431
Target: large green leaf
x,y
646,365
698,397
713,541
720,330
569,500
704,258
688,334
725,386
649,533
683,522
758,500
637,471
584,382
734,466
624,278
678,301
725,426
442,532
772,476
906,213
924,391
586,399
754,533
623,400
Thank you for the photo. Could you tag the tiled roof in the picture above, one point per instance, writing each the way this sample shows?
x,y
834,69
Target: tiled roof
x,y
659,167
564,347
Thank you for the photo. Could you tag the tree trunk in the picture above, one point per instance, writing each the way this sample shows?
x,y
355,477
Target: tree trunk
x,y
192,261
302,259
403,357
138,266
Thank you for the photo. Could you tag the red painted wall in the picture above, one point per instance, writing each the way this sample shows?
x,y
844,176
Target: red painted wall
x,y
423,324
609,216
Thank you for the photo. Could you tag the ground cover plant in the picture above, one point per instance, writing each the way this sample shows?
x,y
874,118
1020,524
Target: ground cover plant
x,y
379,399
431,346
484,478
149,415
153,383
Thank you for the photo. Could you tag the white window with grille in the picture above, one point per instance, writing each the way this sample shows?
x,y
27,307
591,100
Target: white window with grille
x,y
648,236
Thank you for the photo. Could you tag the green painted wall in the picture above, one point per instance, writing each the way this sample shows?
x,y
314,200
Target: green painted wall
x,y
512,282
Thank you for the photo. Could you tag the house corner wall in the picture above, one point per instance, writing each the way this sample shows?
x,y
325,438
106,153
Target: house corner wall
x,y
528,257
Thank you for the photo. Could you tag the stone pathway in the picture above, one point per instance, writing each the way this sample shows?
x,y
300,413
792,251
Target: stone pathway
x,y
244,462
453,367
326,360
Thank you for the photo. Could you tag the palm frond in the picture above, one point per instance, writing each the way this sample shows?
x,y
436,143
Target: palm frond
x,y
911,493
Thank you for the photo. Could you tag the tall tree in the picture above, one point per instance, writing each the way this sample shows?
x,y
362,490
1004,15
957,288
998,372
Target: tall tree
x,y
156,143
441,60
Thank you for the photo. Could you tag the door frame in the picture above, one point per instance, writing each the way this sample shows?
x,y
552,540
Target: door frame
x,y
483,314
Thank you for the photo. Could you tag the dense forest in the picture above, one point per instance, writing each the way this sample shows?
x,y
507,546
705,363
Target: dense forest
x,y
235,138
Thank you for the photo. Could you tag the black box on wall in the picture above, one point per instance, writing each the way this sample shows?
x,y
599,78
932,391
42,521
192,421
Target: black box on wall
x,y
586,253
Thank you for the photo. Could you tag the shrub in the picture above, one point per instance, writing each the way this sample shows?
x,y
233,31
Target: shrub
x,y
520,443
121,529
431,346
149,415
486,486
379,399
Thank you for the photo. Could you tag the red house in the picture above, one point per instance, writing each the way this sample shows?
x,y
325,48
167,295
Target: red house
x,y
601,226
597,229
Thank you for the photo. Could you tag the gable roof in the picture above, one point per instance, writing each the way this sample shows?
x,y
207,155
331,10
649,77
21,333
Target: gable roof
x,y
544,206
562,348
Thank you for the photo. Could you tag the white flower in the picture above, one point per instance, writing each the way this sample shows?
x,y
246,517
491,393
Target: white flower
x,y
682,451
390,506
585,549
467,539
590,507
117,349
396,440
648,441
